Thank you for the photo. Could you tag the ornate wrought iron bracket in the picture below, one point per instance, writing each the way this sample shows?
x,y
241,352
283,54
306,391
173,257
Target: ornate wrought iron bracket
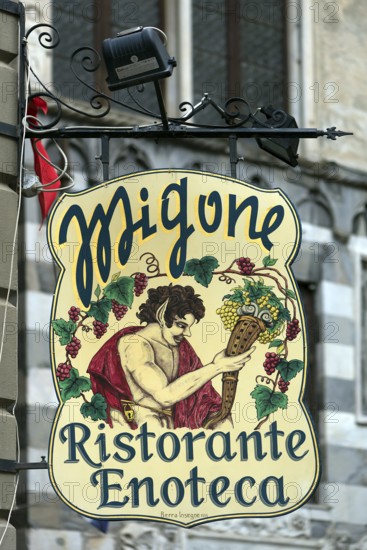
x,y
236,120
13,467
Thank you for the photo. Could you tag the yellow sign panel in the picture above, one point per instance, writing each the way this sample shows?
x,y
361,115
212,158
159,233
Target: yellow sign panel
x,y
179,352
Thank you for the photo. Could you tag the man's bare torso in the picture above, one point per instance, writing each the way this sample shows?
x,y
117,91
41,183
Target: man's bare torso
x,y
165,358
150,361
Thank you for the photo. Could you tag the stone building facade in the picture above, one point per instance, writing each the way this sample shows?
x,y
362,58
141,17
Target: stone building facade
x,y
9,202
324,86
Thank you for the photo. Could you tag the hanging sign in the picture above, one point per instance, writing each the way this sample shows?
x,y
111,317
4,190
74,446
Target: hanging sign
x,y
179,351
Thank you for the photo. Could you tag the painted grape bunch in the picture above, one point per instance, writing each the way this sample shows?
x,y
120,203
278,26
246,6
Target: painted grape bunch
x,y
258,299
271,303
228,314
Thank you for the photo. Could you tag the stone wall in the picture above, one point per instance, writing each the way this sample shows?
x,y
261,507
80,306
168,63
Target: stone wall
x,y
8,308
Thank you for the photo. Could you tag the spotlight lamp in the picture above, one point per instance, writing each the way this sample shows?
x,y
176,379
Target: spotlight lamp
x,y
284,148
136,56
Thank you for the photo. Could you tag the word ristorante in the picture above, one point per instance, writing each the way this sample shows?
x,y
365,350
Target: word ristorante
x,y
169,447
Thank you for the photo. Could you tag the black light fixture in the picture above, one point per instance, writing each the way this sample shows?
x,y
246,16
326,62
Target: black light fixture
x,y
284,148
136,56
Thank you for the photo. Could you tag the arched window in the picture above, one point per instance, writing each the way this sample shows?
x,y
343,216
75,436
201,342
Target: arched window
x,y
360,223
314,209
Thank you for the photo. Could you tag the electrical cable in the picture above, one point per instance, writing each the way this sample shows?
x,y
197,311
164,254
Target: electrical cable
x,y
62,171
159,31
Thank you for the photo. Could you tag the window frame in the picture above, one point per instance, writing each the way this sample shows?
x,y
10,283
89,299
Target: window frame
x,y
228,10
233,51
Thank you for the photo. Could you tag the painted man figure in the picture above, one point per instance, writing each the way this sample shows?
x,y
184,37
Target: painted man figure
x,y
156,370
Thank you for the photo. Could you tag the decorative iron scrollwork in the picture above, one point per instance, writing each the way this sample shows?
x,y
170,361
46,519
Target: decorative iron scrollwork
x,y
85,61
47,39
53,118
235,118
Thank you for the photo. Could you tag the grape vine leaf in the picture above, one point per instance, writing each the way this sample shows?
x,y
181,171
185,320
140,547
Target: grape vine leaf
x,y
115,276
267,401
284,314
290,293
74,386
289,369
100,310
268,262
96,409
64,329
97,292
202,270
254,293
237,296
246,284
275,343
258,290
121,290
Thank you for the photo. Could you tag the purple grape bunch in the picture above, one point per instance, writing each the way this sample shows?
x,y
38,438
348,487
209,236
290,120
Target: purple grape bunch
x,y
141,283
74,314
293,329
74,347
63,371
245,265
119,310
271,362
99,329
283,386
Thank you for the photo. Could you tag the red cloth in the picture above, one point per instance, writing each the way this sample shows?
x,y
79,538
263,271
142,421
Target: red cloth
x,y
108,379
45,172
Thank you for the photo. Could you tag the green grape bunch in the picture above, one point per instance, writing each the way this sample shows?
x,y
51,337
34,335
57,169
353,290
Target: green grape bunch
x,y
229,314
259,300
